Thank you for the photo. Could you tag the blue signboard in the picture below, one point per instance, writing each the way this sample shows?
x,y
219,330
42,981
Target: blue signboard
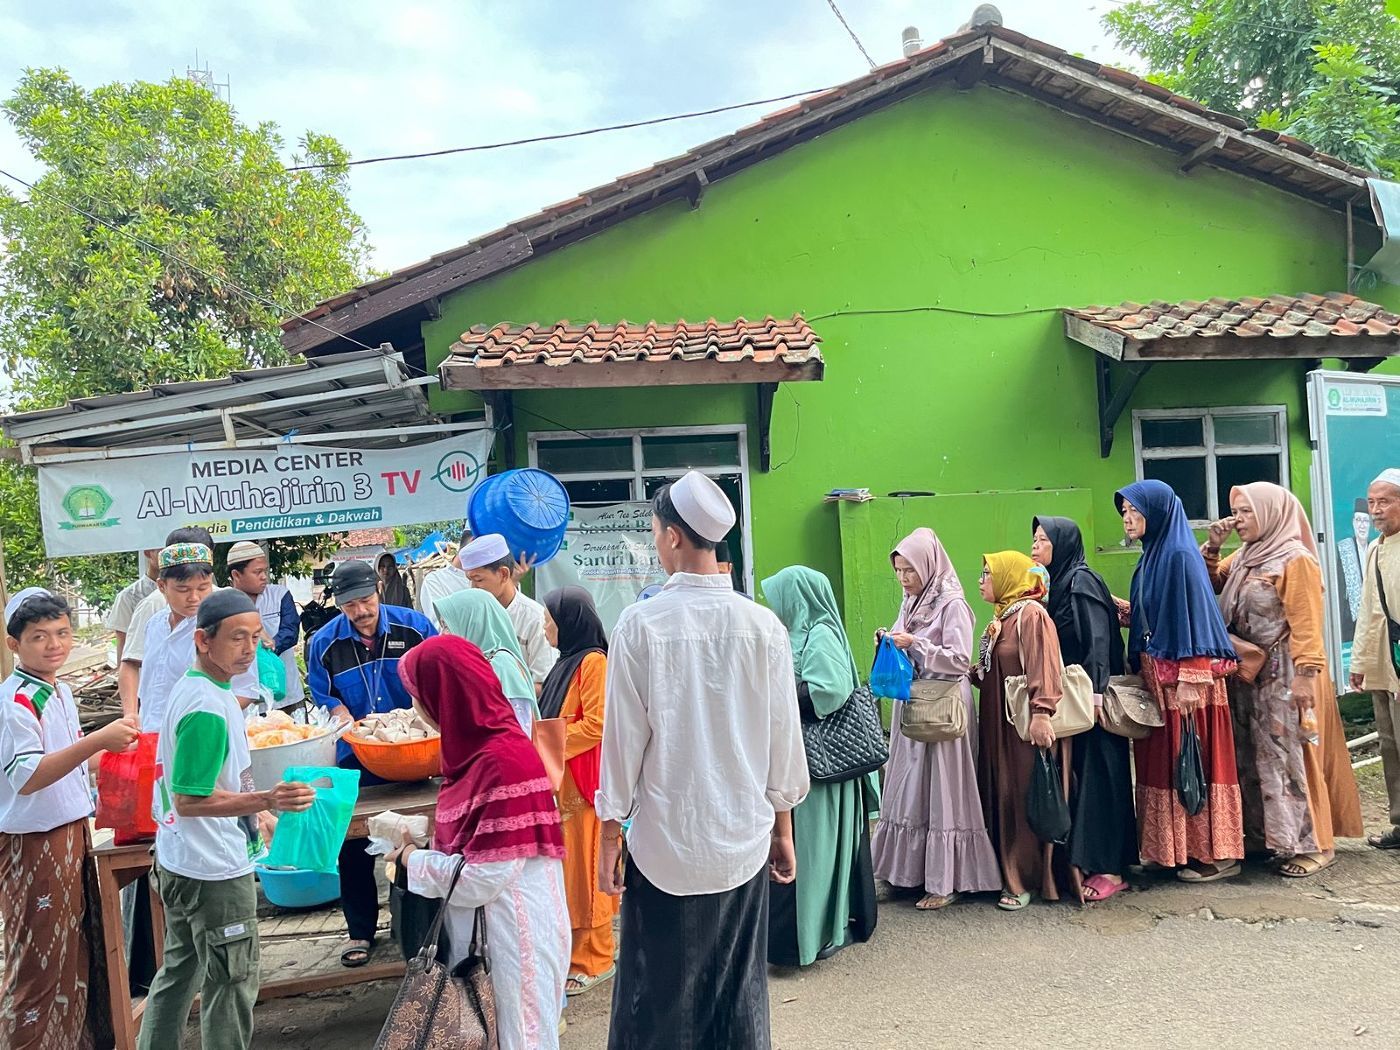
x,y
1355,430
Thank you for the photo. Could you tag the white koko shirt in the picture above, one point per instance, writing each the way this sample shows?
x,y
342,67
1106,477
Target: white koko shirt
x,y
702,742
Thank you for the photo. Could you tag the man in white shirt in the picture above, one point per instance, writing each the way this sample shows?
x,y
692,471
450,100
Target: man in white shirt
x,y
248,572
119,616
490,567
702,750
133,653
439,583
1373,651
210,827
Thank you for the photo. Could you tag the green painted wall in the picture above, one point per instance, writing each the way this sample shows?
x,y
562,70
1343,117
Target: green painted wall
x,y
930,245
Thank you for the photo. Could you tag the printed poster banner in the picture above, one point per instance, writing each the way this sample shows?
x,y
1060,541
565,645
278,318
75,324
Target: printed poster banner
x,y
106,506
608,551
1356,431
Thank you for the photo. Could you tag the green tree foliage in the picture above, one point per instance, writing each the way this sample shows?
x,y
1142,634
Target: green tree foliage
x,y
89,306
1325,71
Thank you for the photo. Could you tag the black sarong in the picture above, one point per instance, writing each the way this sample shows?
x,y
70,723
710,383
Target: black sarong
x,y
693,971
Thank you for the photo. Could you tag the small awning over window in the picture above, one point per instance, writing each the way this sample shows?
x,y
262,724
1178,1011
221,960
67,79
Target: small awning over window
x,y
531,357
1280,326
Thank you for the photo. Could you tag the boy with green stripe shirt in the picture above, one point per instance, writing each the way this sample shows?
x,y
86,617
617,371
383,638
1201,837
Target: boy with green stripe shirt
x,y
44,808
210,825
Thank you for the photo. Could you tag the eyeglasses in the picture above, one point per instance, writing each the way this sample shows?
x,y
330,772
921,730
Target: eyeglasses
x,y
986,574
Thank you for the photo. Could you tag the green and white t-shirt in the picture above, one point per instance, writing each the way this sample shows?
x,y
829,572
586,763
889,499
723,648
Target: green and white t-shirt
x,y
203,747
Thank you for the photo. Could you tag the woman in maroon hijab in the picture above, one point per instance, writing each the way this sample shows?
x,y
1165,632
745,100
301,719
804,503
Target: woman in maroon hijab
x,y
497,818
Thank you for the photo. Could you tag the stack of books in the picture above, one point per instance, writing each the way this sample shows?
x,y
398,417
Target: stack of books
x,y
848,496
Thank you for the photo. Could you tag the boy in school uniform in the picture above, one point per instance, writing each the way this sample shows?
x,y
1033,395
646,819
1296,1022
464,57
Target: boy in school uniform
x,y
44,807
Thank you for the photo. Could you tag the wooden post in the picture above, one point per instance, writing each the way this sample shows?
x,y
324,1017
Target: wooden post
x,y
7,660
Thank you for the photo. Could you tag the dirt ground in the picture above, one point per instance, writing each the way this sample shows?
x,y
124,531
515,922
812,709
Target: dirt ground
x,y
1247,962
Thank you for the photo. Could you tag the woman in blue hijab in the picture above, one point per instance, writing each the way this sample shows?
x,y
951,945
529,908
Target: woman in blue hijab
x,y
1178,643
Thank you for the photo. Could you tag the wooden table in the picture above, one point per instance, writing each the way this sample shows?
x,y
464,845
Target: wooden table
x,y
118,866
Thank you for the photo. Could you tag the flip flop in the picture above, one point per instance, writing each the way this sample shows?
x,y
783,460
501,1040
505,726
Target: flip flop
x,y
579,983
1103,888
1305,866
1229,871
938,903
1387,840
1013,901
356,954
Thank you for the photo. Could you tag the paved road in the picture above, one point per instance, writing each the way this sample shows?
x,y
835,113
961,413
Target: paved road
x,y
1267,962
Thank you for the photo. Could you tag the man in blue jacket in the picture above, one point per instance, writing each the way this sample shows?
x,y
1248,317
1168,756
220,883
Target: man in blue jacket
x,y
353,670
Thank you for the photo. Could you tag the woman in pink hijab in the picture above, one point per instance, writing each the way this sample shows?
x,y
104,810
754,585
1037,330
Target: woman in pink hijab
x,y
931,836
1297,794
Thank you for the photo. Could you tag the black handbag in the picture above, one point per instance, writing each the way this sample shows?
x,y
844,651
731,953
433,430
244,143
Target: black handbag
x,y
846,744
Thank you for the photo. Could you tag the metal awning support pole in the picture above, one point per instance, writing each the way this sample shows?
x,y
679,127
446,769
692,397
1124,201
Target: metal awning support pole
x,y
1113,397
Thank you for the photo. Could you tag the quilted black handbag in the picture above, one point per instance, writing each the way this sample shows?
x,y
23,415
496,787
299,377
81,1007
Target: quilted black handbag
x,y
846,744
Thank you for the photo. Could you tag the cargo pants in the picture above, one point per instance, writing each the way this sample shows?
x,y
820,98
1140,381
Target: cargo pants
x,y
211,947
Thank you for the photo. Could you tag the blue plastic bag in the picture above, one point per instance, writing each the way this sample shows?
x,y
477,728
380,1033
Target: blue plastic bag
x,y
892,673
311,840
272,674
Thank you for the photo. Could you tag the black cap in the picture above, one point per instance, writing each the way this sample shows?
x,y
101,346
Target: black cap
x,y
222,604
352,580
722,551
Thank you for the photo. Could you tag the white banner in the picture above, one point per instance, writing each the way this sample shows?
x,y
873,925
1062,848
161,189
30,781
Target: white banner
x,y
608,551
109,505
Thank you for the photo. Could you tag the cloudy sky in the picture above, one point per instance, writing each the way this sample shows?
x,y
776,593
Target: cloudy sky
x,y
430,74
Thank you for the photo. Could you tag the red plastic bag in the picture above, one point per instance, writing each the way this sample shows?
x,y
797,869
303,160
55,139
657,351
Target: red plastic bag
x,y
125,786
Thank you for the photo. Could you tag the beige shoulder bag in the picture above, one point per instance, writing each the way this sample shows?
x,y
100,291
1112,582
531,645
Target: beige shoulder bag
x,y
1074,714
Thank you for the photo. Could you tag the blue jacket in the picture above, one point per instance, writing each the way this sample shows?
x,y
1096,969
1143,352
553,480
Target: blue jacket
x,y
342,669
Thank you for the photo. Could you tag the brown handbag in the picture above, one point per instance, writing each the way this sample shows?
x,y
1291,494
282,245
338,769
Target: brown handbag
x,y
437,1010
1129,708
547,734
1249,658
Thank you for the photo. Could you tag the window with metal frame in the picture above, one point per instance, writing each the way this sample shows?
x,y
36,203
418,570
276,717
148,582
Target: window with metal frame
x,y
609,466
1204,452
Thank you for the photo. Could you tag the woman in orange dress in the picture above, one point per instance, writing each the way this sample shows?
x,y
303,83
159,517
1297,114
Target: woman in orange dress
x,y
574,691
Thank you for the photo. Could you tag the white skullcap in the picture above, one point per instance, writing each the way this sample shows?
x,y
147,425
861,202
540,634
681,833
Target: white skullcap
x,y
1389,476
242,551
484,550
703,506
12,606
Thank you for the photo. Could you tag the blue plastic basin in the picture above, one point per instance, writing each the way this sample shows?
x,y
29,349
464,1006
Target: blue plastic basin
x,y
298,889
529,507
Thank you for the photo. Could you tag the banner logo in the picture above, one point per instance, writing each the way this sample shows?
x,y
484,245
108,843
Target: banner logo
x,y
458,471
87,507
1355,399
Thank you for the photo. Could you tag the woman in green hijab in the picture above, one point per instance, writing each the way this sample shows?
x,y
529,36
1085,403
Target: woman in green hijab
x,y
479,618
832,903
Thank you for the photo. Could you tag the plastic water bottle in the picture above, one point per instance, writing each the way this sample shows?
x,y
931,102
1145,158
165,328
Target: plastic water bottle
x,y
1307,725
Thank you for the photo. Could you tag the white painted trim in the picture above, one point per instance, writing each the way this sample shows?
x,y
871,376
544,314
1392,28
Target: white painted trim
x,y
1210,450
640,473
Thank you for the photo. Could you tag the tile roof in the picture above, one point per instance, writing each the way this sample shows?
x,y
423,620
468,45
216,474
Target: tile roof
x,y
995,55
769,348
1279,316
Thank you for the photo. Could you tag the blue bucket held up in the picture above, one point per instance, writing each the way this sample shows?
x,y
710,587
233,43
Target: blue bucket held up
x,y
529,507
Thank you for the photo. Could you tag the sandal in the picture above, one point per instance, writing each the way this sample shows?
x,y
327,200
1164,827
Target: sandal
x,y
578,983
1013,901
933,902
1305,864
1387,840
1100,887
356,954
1209,872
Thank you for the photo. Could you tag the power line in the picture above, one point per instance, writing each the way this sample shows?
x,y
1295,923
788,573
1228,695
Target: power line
x,y
851,32
560,136
234,286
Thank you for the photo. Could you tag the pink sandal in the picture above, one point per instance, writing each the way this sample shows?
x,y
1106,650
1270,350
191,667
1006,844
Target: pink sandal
x,y
1103,888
